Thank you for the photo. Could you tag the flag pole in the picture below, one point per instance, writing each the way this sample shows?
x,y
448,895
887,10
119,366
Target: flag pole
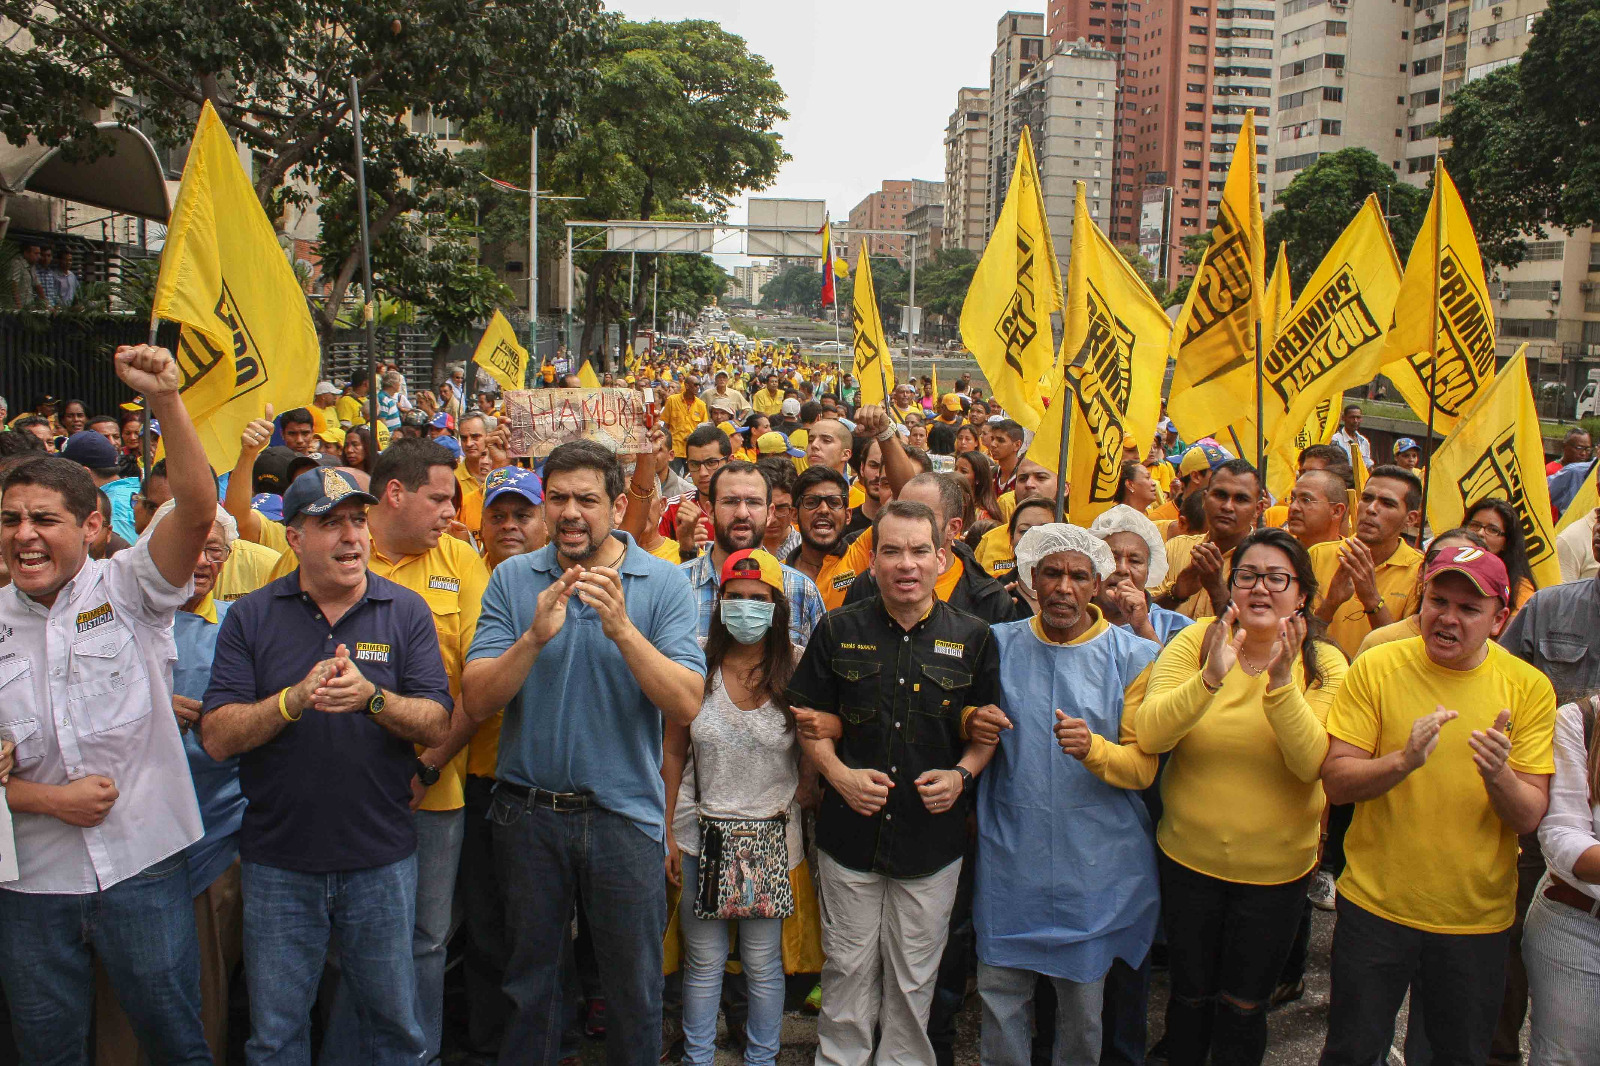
x,y
1433,354
1067,401
366,259
1261,444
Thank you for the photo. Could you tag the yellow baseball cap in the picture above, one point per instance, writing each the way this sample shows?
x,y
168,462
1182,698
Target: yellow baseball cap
x,y
756,564
951,402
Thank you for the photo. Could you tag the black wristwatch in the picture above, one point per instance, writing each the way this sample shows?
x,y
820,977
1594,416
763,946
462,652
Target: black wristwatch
x,y
966,777
376,704
428,775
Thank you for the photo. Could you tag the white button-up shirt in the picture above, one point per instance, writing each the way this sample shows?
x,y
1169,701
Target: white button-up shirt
x,y
86,689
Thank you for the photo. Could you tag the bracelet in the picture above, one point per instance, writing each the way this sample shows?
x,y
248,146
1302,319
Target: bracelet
x,y
640,495
1207,685
283,707
888,433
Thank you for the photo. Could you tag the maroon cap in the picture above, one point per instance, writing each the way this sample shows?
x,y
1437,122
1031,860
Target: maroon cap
x,y
1478,565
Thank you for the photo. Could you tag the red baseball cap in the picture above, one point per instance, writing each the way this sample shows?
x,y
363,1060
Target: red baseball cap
x,y
756,564
1478,565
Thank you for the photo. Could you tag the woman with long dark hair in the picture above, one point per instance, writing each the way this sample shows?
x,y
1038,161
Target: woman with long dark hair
x,y
360,451
1135,487
1495,521
739,759
977,470
1240,702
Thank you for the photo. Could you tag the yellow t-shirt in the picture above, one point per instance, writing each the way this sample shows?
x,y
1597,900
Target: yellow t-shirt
x,y
994,552
766,402
1179,551
452,578
247,569
1407,627
1242,798
470,513
668,551
1162,474
1431,853
858,494
1396,578
351,410
683,418
271,536
1008,505
1276,515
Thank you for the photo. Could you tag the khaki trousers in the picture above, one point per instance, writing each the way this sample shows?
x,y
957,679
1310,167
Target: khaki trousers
x,y
883,938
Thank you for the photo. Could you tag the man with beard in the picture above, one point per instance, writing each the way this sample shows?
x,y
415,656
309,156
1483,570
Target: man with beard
x,y
587,644
1197,564
822,507
1066,676
740,496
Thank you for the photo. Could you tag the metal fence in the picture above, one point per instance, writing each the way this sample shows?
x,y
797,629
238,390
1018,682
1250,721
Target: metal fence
x,y
68,357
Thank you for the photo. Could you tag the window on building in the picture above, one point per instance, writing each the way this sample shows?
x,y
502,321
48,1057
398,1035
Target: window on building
x,y
1423,164
1545,251
1528,328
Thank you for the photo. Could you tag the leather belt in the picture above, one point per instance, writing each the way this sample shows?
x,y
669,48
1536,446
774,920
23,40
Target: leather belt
x,y
1561,892
538,797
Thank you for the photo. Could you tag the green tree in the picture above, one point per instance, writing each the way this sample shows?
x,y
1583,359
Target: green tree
x,y
1525,140
1323,198
797,289
677,119
942,286
278,73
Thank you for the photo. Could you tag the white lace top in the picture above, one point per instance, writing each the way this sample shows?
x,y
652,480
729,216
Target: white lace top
x,y
749,763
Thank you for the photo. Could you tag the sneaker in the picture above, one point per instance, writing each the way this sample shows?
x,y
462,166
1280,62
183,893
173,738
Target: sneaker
x,y
814,1000
1322,891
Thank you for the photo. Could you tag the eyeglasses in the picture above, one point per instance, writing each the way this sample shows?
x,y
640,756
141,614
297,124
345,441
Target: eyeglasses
x,y
1483,529
1271,580
811,501
754,503
705,464
782,508
215,554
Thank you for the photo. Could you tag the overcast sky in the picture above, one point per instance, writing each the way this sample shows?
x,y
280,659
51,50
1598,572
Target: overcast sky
x,y
870,83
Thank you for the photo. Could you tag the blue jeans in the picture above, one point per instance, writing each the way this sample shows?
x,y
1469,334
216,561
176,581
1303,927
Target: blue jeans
x,y
545,858
705,953
439,835
290,918
142,929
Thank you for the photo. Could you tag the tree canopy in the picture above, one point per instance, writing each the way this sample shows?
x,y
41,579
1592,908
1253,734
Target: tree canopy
x,y
278,73
1525,140
1323,198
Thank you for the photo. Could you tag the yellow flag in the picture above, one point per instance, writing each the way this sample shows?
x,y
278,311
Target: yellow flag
x,y
1496,450
586,376
1279,300
1214,339
246,339
1332,340
873,368
1465,343
1115,389
1358,469
1005,321
500,356
933,371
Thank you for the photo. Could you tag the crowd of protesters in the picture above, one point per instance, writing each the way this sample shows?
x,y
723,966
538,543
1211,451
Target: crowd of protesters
x,y
807,688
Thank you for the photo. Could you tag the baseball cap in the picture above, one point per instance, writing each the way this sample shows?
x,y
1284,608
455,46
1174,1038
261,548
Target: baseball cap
x,y
1478,565
728,427
451,445
790,408
268,505
155,428
326,388
1203,456
271,472
756,564
442,421
316,492
91,449
332,433
1406,444
774,443
512,479
951,402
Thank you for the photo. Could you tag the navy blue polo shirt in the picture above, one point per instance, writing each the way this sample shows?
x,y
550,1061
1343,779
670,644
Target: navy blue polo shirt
x,y
331,792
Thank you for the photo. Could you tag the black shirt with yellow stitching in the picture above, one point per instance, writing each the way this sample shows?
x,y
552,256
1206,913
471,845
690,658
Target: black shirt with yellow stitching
x,y
900,694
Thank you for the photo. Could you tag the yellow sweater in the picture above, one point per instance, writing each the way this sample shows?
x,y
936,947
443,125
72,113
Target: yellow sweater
x,y
1242,798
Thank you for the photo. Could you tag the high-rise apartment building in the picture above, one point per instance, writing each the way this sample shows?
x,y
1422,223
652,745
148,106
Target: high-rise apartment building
x,y
1342,82
1069,103
887,209
1020,45
1198,69
926,223
966,171
1113,26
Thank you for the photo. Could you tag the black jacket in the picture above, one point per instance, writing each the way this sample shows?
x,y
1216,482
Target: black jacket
x,y
976,593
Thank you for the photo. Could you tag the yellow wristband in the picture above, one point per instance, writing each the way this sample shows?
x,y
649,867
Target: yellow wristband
x,y
283,707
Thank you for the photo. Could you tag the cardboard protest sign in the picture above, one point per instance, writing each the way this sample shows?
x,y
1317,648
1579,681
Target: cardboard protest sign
x,y
541,419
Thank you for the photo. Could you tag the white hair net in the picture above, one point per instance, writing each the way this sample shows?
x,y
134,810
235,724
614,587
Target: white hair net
x,y
1053,537
1124,519
230,527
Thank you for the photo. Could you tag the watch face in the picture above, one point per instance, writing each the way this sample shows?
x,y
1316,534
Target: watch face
x,y
376,703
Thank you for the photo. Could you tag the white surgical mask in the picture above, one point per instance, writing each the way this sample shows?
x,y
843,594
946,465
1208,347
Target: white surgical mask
x,y
747,620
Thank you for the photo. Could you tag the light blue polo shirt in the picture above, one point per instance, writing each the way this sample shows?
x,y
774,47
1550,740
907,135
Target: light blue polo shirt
x,y
580,722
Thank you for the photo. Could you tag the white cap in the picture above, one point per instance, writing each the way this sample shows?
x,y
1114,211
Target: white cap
x,y
1052,537
1124,519
790,407
326,388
